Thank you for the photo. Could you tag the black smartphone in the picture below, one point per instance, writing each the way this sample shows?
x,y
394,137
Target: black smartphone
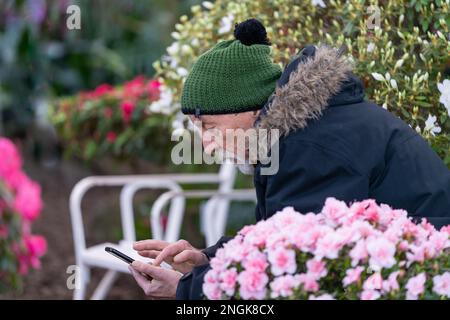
x,y
120,255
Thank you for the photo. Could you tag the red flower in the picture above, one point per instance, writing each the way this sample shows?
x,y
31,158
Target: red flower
x,y
101,90
111,136
98,92
127,110
153,89
134,88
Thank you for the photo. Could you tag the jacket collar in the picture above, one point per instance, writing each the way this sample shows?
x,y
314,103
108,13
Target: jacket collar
x,y
318,78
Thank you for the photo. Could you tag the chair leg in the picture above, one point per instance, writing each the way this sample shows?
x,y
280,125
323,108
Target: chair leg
x,y
81,284
105,285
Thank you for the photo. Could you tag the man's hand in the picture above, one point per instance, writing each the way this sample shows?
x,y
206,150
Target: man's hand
x,y
181,255
164,283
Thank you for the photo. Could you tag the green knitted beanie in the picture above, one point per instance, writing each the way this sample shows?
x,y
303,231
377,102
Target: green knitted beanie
x,y
234,76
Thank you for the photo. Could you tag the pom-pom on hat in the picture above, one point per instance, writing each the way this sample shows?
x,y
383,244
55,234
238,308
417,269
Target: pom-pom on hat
x,y
234,76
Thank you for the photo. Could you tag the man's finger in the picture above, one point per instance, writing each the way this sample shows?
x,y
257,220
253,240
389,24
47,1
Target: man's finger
x,y
169,251
140,279
151,244
155,272
149,253
191,256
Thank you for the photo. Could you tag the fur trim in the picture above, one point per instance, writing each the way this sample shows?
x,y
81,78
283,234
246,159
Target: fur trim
x,y
307,92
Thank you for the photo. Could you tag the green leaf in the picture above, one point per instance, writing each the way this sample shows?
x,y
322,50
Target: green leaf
x,y
90,150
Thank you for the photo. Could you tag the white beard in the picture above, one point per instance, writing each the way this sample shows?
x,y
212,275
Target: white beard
x,y
243,165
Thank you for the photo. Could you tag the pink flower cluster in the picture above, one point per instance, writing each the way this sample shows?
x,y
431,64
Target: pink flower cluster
x,y
19,196
362,251
27,194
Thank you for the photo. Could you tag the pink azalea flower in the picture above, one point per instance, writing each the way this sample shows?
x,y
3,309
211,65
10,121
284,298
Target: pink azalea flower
x,y
245,230
439,240
352,276
381,253
37,245
374,282
329,245
308,281
370,295
283,286
391,283
441,284
317,268
446,229
334,209
282,261
11,160
219,262
358,252
255,261
286,217
237,251
211,287
415,286
372,212
258,236
15,179
212,291
252,285
28,200
228,281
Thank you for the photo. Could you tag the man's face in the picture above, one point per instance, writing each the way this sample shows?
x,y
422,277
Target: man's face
x,y
216,129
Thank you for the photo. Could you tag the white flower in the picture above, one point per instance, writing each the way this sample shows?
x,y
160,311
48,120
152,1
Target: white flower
x,y
318,3
394,84
399,63
195,42
207,5
174,48
226,23
431,125
164,105
370,47
377,76
182,72
444,88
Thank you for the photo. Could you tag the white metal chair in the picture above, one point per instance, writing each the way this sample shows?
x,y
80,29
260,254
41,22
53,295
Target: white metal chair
x,y
215,214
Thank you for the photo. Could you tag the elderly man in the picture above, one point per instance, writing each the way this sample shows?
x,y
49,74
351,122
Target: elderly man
x,y
333,143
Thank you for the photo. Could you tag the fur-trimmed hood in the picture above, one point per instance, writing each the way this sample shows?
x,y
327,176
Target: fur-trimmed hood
x,y
319,77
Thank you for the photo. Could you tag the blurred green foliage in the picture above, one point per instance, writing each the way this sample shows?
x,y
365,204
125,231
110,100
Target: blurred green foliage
x,y
40,57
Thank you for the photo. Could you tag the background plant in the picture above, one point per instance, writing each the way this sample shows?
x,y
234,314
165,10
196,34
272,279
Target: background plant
x,y
20,205
126,122
40,58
